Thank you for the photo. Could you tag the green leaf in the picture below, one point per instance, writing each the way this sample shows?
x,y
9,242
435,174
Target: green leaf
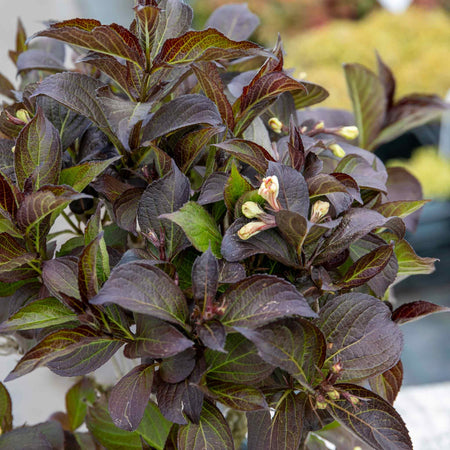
x,y
42,313
240,364
238,396
206,45
387,385
148,290
364,419
295,345
154,427
38,153
400,208
369,102
367,267
409,263
68,353
260,299
236,186
365,339
147,18
248,152
100,424
129,397
199,227
113,40
78,397
80,176
6,417
212,432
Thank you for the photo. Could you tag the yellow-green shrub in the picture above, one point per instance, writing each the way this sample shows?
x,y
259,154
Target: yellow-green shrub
x,y
414,44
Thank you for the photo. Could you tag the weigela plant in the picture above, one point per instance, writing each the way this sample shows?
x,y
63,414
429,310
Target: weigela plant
x,y
234,246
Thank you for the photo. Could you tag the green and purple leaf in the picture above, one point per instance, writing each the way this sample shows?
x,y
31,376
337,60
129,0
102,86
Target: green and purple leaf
x,y
408,312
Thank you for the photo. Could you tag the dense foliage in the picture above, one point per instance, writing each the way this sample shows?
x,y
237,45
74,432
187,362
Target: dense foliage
x,y
228,241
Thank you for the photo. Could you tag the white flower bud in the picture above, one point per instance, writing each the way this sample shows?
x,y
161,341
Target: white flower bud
x,y
319,210
252,228
269,191
349,133
275,124
251,210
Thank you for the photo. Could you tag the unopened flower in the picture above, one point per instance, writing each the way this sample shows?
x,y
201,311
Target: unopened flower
x,y
350,132
320,402
275,124
269,191
251,229
319,210
337,367
353,400
319,125
23,115
337,150
334,394
251,210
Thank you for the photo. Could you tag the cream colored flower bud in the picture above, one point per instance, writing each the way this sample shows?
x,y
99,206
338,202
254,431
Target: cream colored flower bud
x,y
353,400
13,149
23,115
275,124
319,210
334,394
337,150
251,210
319,125
349,133
269,191
252,228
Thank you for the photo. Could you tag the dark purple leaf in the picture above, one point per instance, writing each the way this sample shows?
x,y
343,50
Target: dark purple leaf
x,y
38,152
293,194
248,152
362,172
178,367
12,255
212,188
324,184
360,333
141,287
367,267
364,420
212,335
205,277
235,21
356,223
211,432
270,242
387,385
129,397
6,87
260,299
295,345
237,396
87,270
294,228
35,59
402,186
170,401
230,272
259,425
60,276
68,353
8,194
409,312
165,196
369,102
125,209
45,436
387,79
155,339
240,364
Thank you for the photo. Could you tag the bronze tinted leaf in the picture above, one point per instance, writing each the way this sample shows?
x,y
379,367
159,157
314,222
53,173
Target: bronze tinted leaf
x,y
408,312
388,384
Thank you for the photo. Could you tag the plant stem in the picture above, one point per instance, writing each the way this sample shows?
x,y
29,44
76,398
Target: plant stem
x,y
71,224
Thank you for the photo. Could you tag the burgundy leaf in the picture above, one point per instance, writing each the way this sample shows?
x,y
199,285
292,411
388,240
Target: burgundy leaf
x,y
388,384
237,396
408,312
129,397
212,335
178,367
205,277
260,299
